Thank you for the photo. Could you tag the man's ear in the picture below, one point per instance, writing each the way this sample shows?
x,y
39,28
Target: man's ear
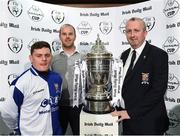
x,y
30,58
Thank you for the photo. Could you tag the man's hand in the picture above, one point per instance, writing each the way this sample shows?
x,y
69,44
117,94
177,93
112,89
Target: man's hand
x,y
122,115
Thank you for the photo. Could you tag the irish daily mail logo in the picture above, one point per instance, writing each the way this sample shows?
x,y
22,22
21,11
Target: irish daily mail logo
x,y
150,22
57,16
15,8
14,44
173,119
84,47
171,45
84,28
35,13
171,8
105,27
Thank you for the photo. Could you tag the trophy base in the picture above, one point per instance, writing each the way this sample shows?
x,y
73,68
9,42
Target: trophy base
x,y
98,107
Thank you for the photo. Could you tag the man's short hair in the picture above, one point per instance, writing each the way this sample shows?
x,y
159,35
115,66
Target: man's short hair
x,y
39,45
140,20
65,25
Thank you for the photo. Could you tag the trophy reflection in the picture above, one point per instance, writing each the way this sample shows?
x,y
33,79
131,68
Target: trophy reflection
x,y
99,65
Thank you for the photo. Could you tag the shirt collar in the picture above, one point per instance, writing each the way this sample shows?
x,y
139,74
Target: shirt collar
x,y
62,51
140,49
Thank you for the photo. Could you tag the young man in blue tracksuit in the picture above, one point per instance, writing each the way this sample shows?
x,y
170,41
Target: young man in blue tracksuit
x,y
32,108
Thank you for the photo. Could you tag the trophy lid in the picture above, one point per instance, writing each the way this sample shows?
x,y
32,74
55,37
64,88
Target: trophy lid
x,y
98,49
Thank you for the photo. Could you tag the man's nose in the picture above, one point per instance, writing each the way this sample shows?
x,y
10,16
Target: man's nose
x,y
44,58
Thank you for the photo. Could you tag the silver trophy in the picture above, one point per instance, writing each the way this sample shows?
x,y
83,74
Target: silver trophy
x,y
99,64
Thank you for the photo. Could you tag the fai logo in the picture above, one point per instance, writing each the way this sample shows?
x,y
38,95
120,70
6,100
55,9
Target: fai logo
x,y
171,8
14,44
173,119
35,13
31,43
58,17
11,78
122,26
150,22
84,28
173,82
15,8
56,46
171,45
105,27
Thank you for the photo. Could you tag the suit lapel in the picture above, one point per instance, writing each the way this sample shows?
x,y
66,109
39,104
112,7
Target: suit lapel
x,y
125,56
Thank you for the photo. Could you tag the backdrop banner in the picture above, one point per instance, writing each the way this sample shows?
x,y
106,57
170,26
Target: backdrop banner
x,y
23,22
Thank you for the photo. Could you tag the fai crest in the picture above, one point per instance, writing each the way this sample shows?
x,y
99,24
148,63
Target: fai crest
x,y
150,22
105,27
15,8
57,16
12,77
14,44
56,46
32,42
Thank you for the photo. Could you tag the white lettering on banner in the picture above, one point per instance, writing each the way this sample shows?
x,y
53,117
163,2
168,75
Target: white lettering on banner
x,y
116,79
76,83
83,68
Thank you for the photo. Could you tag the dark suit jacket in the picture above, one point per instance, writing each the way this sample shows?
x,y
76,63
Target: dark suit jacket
x,y
144,90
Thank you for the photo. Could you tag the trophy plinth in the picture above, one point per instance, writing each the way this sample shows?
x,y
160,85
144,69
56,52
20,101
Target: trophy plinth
x,y
99,63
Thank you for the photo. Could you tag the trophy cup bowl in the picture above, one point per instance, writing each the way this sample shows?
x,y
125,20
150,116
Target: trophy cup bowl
x,y
98,96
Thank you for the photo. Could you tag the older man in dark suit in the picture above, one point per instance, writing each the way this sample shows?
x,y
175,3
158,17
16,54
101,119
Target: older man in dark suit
x,y
145,83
